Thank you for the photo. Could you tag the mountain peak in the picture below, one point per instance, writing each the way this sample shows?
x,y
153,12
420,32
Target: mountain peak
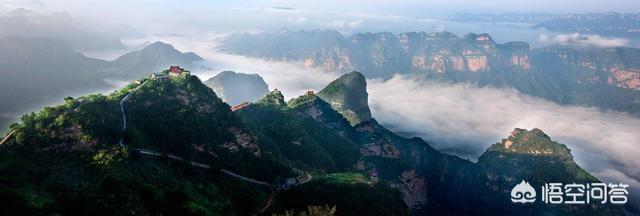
x,y
348,95
532,155
159,45
236,88
524,132
533,141
482,37
310,96
274,98
153,57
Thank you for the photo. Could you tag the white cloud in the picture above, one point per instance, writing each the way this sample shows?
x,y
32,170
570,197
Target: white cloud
x,y
464,116
543,38
355,24
115,84
15,4
584,39
300,20
336,24
341,24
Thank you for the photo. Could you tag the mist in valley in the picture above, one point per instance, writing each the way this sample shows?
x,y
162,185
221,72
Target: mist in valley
x,y
459,119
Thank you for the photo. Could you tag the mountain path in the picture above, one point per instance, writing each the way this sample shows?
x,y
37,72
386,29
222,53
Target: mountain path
x,y
175,157
7,137
304,177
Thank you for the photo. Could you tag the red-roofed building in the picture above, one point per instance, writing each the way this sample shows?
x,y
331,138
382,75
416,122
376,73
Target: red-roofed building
x,y
175,70
239,106
374,174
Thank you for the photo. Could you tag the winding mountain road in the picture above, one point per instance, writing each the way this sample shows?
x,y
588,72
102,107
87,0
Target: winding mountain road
x,y
7,137
124,115
244,178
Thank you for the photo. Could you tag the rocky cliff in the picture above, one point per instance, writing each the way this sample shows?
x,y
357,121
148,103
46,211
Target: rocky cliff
x,y
348,95
568,74
382,54
435,183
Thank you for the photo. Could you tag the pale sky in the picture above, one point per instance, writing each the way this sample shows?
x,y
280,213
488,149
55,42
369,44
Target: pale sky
x,y
386,7
345,16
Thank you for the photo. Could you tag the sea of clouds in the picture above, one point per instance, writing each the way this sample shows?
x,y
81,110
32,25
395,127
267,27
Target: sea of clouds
x,y
460,119
464,119
583,39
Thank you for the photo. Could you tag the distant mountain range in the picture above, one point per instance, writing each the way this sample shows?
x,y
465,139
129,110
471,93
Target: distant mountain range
x,y
607,78
66,159
153,57
39,71
626,25
82,35
502,18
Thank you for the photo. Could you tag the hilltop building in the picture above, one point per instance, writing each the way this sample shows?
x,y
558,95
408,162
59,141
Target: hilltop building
x,y
176,71
374,174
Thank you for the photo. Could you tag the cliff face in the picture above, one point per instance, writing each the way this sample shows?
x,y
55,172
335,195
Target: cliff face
x,y
383,54
625,78
574,74
444,54
348,95
615,67
435,183
516,54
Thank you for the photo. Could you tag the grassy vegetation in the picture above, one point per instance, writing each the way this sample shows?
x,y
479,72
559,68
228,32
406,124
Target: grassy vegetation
x,y
347,178
348,198
293,103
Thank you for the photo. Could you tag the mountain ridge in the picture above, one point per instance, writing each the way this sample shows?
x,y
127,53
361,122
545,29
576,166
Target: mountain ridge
x,y
348,95
566,74
422,165
268,140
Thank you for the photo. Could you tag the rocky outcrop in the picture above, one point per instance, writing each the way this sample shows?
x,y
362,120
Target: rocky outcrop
x,y
566,74
383,149
383,54
419,62
625,78
244,140
348,95
413,188
435,183
516,54
476,61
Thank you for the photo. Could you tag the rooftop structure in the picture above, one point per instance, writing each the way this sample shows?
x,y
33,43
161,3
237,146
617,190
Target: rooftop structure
x,y
177,71
374,174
